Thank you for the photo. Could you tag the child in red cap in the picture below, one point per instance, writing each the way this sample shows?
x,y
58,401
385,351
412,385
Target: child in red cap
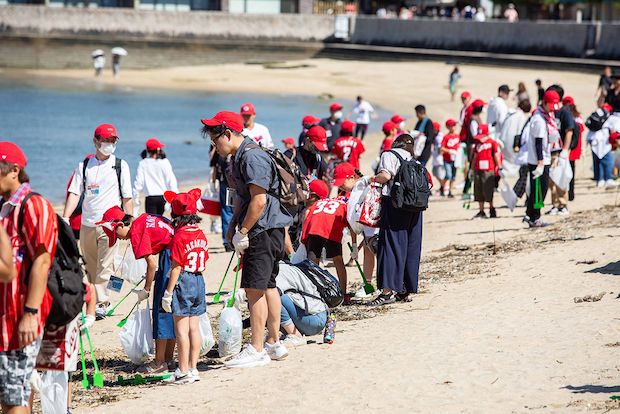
x,y
486,159
348,148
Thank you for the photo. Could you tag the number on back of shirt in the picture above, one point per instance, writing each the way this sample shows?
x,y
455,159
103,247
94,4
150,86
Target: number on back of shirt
x,y
195,262
346,154
327,206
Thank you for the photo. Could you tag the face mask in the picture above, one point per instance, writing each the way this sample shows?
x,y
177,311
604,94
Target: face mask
x,y
338,114
402,125
107,148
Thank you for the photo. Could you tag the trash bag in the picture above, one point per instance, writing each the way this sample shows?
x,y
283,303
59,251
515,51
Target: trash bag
x,y
54,392
509,195
130,268
137,336
206,334
230,332
371,208
300,255
354,207
562,174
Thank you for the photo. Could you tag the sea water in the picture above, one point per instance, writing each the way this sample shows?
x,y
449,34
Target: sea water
x,y
53,121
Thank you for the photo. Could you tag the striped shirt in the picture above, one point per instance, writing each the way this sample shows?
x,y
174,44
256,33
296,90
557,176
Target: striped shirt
x,y
40,228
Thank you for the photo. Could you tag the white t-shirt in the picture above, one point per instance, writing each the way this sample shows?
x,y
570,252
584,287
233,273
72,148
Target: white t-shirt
x,y
496,113
154,177
259,134
538,129
390,163
362,110
473,127
101,187
437,159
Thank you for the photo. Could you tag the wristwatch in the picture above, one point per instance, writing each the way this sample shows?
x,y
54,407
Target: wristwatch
x,y
243,231
31,310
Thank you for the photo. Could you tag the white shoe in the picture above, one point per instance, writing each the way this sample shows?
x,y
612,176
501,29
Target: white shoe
x,y
153,368
101,311
249,358
611,183
563,211
601,183
291,341
361,293
180,378
553,211
276,351
194,373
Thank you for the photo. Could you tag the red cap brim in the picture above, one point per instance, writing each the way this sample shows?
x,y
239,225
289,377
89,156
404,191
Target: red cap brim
x,y
321,146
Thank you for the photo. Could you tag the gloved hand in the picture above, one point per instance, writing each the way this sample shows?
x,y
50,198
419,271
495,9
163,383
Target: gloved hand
x,y
354,252
166,301
142,294
240,242
502,173
470,174
564,154
66,220
89,321
35,380
538,171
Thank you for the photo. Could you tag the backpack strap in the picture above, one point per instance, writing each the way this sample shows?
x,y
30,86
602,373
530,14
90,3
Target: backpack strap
x,y
117,167
20,224
253,146
85,162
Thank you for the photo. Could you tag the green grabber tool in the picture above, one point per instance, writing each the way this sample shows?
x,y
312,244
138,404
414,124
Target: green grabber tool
x,y
368,288
139,379
124,320
467,202
110,312
216,298
231,301
97,378
85,383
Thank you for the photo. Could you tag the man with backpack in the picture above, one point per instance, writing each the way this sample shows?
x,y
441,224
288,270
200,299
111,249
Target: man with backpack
x,y
26,301
105,182
256,231
427,134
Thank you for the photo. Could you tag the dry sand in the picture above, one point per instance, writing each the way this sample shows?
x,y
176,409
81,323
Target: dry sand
x,y
489,333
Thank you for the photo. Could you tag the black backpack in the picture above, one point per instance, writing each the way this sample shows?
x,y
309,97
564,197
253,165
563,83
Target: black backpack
x,y
327,285
597,119
410,191
65,280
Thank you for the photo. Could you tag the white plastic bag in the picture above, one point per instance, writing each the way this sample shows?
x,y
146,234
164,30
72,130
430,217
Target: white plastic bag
x,y
354,207
206,334
509,195
230,332
562,174
54,392
137,336
300,255
130,269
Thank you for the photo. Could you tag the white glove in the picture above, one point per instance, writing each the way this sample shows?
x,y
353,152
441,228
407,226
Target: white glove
x,y
142,294
538,172
564,154
89,321
166,301
66,220
470,173
354,252
240,242
35,380
502,173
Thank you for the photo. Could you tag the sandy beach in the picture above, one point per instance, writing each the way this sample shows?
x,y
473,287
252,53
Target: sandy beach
x,y
495,327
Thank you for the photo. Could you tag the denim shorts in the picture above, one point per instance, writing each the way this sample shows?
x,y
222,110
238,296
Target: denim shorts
x,y
189,295
450,171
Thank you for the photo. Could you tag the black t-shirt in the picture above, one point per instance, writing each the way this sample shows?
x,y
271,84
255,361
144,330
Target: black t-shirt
x,y
541,93
604,82
333,130
567,122
429,131
221,165
308,163
613,100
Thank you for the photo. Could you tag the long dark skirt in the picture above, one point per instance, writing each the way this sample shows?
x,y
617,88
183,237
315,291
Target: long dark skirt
x,y
400,245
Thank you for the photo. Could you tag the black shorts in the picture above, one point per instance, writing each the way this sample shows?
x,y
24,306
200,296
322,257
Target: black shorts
x,y
155,205
315,246
260,260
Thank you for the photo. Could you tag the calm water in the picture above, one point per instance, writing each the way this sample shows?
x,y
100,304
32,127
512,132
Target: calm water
x,y
53,121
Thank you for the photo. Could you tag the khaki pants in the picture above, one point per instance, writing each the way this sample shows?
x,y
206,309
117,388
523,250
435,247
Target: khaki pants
x,y
99,260
558,196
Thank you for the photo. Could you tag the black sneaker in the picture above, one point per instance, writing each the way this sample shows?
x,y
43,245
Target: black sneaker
x,y
450,195
493,213
227,248
480,215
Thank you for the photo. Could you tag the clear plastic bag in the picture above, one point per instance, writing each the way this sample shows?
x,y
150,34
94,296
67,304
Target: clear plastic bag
x,y
130,268
54,392
206,334
230,332
137,336
509,195
562,174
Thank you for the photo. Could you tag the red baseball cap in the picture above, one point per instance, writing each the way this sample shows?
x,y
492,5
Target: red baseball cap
x,y
231,119
106,131
478,102
247,109
153,144
436,126
568,100
397,119
310,119
607,107
183,203
465,95
10,152
343,171
347,126
335,106
552,99
319,188
111,219
388,126
483,131
318,135
289,140
450,122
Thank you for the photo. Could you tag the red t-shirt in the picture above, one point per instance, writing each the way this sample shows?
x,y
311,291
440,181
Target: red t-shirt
x,y
190,249
326,218
483,155
465,119
40,228
386,144
349,149
450,142
575,154
150,235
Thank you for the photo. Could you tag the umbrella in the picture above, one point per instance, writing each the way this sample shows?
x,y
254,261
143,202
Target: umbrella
x,y
119,51
97,52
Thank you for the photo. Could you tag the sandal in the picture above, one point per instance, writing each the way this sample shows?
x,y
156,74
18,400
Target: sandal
x,y
382,299
403,297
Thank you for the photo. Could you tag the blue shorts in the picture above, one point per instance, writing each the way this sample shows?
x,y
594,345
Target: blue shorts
x,y
450,171
163,323
189,295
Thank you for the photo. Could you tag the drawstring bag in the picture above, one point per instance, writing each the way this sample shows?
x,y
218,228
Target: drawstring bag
x,y
538,199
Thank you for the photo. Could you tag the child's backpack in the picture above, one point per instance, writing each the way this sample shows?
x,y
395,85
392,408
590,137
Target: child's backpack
x,y
294,189
597,119
327,285
410,191
65,280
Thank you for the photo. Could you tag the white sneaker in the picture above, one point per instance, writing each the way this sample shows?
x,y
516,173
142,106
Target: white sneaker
x,y
276,351
249,358
291,341
194,373
611,183
601,183
101,311
553,211
563,211
153,368
361,293
180,378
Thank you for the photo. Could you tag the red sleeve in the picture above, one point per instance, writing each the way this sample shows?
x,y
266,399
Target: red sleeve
x,y
444,141
176,250
40,225
360,146
140,239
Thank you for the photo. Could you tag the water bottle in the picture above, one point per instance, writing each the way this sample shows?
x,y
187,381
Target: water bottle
x,y
330,329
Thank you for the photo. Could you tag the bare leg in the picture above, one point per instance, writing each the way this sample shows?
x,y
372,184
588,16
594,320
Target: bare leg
x,y
170,344
274,306
181,327
481,203
291,329
258,316
15,409
288,244
341,270
369,263
160,351
195,341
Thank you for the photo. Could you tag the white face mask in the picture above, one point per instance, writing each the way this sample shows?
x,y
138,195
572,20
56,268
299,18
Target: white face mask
x,y
338,114
402,125
107,148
